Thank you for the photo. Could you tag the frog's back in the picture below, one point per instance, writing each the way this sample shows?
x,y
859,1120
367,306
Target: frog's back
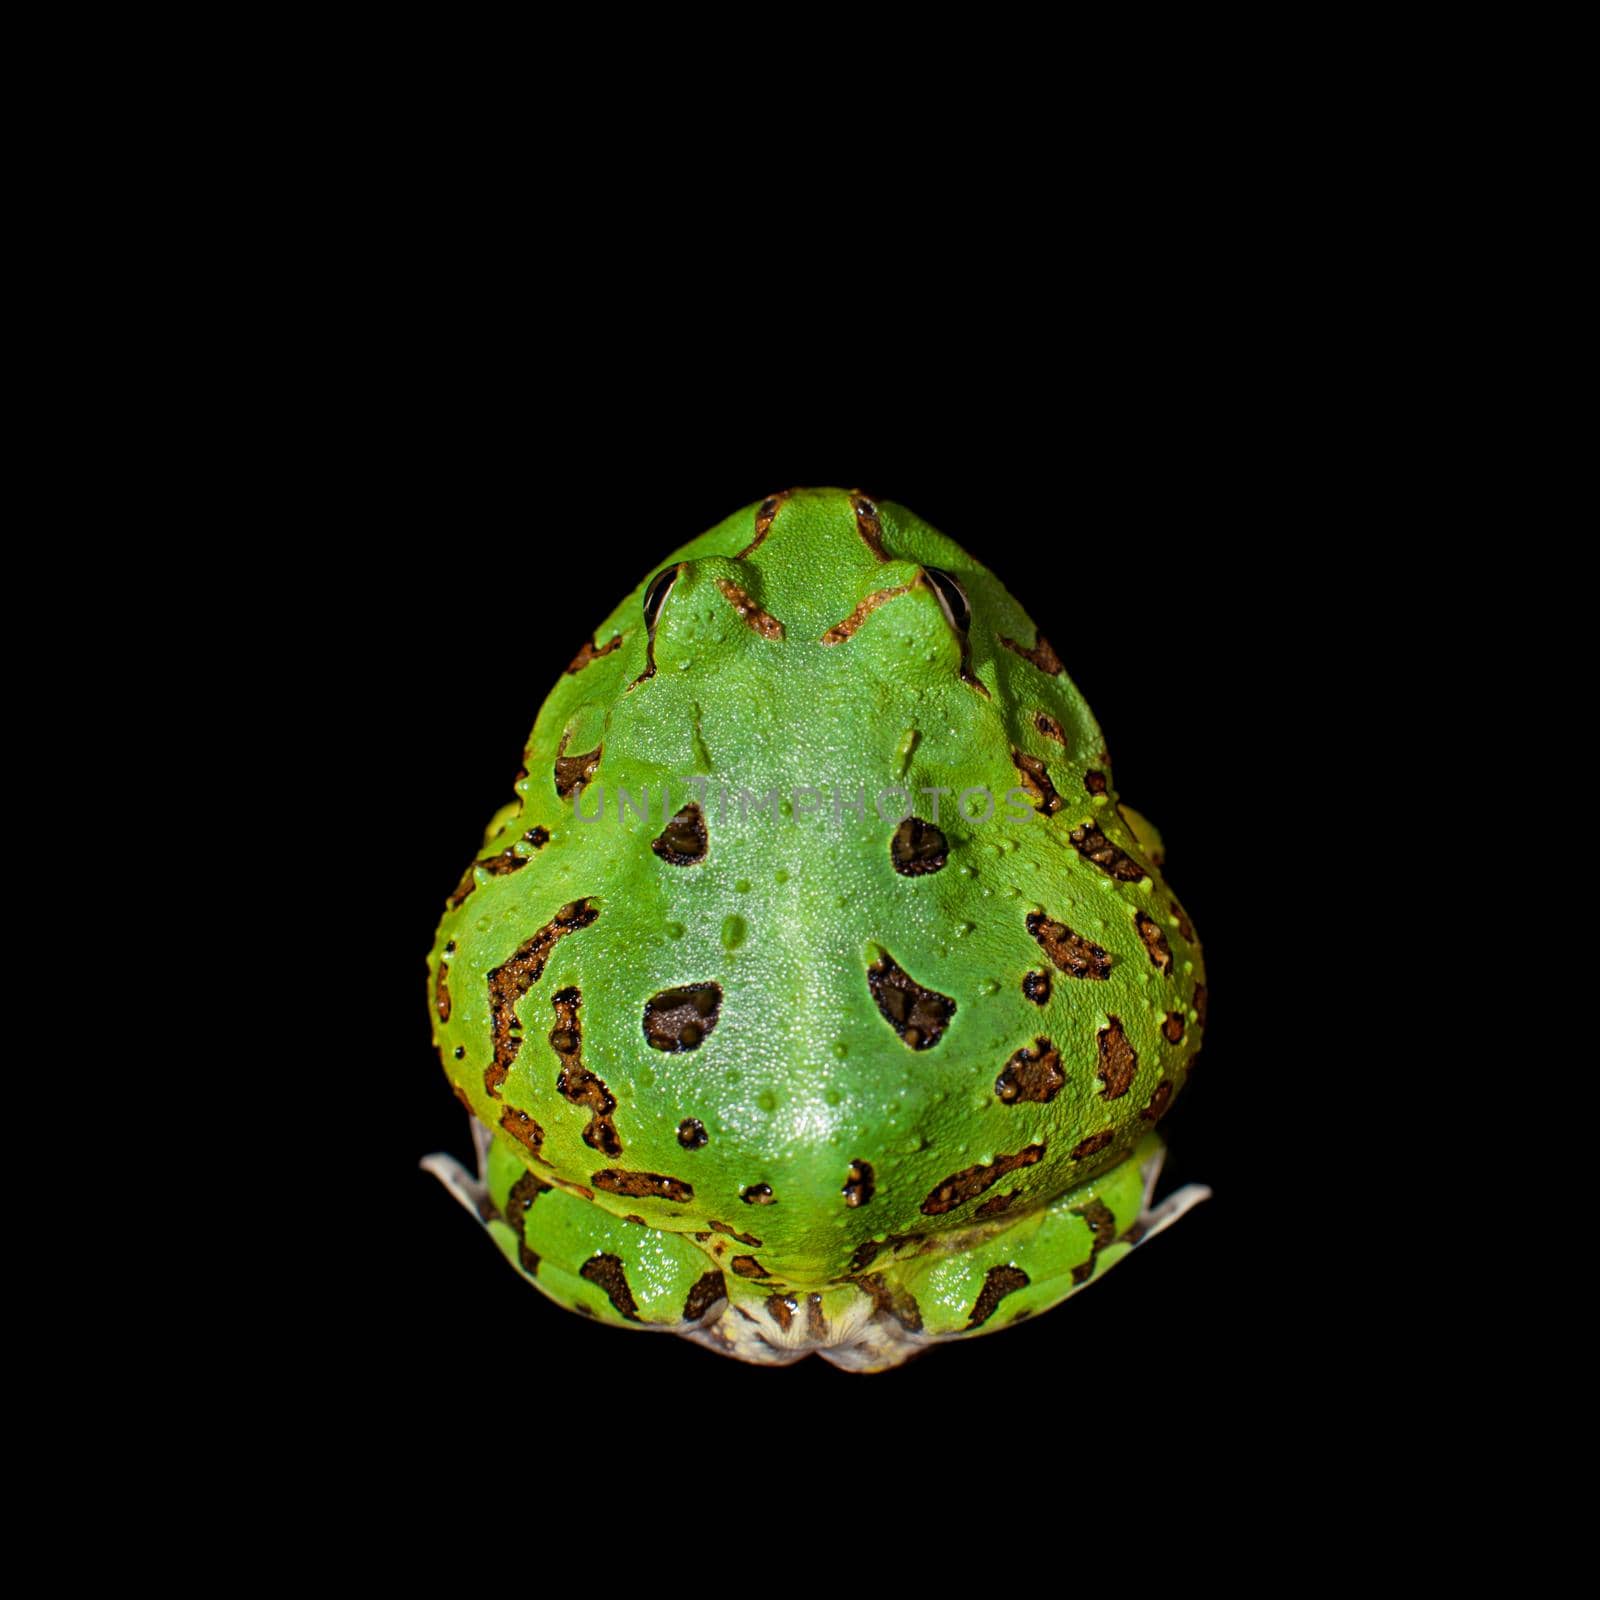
x,y
816,935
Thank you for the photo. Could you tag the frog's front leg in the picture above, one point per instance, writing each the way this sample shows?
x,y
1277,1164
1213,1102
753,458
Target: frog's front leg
x,y
582,1256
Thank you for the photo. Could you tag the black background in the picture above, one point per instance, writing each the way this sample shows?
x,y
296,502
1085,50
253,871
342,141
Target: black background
x,y
1169,549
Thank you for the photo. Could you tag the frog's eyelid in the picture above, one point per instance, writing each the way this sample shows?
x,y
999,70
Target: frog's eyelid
x,y
655,594
952,598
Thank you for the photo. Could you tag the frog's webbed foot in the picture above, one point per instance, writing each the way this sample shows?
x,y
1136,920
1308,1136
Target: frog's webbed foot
x,y
1153,1219
472,1191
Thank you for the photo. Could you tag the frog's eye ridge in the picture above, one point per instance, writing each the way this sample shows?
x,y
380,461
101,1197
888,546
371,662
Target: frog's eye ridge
x,y
952,598
655,595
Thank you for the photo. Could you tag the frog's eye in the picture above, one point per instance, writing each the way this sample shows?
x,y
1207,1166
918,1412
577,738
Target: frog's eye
x,y
655,596
952,598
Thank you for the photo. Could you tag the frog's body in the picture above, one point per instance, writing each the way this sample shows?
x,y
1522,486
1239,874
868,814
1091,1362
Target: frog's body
x,y
786,1073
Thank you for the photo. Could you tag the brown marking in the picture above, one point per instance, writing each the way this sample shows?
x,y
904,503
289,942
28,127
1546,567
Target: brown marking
x,y
1070,952
589,653
1184,925
1119,1061
1094,782
970,1182
570,771
1093,846
891,1300
527,1259
520,1201
1159,1102
995,1207
460,1093
841,631
1041,655
733,1233
497,866
765,513
1155,942
867,524
1172,1028
816,1323
758,1194
680,1019
754,617
1049,727
998,1282
1199,1005
1036,986
683,841
781,1308
1103,1226
749,1267
918,1015
1034,1075
1036,780
643,1185
704,1293
510,981
918,848
692,1133
634,1218
860,1184
608,1273
522,1128
441,989
870,1249
576,1082
1093,1145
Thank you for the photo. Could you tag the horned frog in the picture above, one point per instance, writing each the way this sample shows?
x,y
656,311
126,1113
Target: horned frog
x,y
816,993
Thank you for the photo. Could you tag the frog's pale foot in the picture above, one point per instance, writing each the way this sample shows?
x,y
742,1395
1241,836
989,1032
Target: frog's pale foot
x,y
472,1191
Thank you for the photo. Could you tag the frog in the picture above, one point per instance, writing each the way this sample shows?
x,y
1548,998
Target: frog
x,y
816,992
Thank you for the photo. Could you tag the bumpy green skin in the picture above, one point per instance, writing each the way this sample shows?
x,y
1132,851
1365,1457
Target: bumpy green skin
x,y
800,1079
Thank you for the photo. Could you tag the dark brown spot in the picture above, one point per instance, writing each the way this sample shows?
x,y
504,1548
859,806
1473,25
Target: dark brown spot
x,y
1172,1028
497,866
970,1182
704,1293
1071,952
733,1233
870,1249
538,837
460,1093
765,512
816,1323
918,1015
1034,1075
1036,780
891,1300
683,841
576,1082
1103,1227
1155,942
1199,1005
754,617
1041,655
527,1259
1094,782
997,1206
692,1133
757,1194
680,1019
1184,925
520,1201
917,848
1159,1102
608,1273
1119,1061
522,1128
1093,1145
1049,727
643,1185
441,990
841,631
859,1184
460,1053
867,524
997,1284
749,1267
512,980
781,1308
570,771
637,1220
1036,986
1093,846
589,653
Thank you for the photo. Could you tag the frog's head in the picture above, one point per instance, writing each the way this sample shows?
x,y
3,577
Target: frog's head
x,y
815,563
